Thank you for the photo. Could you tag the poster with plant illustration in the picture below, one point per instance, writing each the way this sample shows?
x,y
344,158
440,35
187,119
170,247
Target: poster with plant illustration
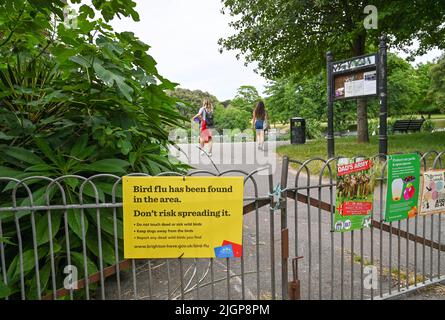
x,y
355,194
433,192
402,194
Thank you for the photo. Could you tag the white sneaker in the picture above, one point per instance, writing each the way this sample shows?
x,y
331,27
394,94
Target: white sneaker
x,y
210,154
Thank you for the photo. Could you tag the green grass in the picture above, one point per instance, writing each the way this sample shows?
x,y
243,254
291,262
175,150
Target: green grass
x,y
439,123
437,116
348,147
394,272
358,259
438,120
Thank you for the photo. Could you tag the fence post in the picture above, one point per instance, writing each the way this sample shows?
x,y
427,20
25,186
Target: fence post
x,y
272,235
284,230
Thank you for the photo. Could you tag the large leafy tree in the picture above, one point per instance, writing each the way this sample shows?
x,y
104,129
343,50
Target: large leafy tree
x,y
422,103
189,101
437,89
231,118
296,97
403,86
304,97
292,37
245,99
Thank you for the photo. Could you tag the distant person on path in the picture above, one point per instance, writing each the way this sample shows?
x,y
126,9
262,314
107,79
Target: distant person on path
x,y
205,116
259,122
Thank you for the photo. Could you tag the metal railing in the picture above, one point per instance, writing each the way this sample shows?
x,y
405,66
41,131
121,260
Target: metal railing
x,y
47,225
407,254
70,227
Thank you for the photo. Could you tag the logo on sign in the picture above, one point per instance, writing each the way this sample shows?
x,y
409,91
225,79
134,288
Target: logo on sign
x,y
348,224
339,226
366,223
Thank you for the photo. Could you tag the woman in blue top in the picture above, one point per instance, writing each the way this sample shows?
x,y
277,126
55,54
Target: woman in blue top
x,y
259,121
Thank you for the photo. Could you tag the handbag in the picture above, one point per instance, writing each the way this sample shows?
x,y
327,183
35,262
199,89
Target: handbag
x,y
265,123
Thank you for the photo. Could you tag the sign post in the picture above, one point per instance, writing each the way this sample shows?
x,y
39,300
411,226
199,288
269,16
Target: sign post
x,y
383,129
330,135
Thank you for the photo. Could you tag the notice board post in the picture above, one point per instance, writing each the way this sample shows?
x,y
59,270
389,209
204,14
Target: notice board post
x,y
383,129
358,77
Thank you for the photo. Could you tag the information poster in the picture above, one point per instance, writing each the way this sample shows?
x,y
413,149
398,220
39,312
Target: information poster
x,y
402,186
370,83
356,77
188,217
355,194
433,192
356,85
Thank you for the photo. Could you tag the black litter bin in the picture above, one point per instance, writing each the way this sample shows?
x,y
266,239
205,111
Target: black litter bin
x,y
297,130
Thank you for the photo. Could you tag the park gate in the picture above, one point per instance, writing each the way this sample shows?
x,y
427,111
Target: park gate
x,y
289,249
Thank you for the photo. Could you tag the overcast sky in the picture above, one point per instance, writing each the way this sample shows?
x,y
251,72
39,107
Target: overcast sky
x,y
183,36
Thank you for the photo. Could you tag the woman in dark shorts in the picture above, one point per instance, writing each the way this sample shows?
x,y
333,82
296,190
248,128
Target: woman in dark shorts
x,y
259,121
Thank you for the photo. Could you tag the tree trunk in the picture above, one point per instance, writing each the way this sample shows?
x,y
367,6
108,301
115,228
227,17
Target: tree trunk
x,y
362,104
362,121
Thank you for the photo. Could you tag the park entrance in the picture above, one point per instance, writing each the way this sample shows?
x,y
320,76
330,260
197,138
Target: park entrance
x,y
289,249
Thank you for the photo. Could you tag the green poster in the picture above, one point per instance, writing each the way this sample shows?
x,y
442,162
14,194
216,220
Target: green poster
x,y
402,186
355,194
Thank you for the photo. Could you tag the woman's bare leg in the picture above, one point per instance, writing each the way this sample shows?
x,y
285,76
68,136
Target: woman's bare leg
x,y
210,145
262,139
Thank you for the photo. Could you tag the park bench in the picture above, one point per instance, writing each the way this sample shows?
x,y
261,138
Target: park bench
x,y
408,125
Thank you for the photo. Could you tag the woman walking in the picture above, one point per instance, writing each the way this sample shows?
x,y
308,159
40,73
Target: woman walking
x,y
259,122
205,116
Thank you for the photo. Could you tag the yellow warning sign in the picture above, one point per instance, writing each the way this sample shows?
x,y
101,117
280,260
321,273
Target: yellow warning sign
x,y
188,217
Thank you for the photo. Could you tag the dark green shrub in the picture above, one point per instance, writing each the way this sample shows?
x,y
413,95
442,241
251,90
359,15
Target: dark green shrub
x,y
74,101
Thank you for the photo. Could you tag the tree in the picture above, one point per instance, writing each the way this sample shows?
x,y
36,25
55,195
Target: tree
x,y
296,97
189,101
292,37
437,89
231,118
304,97
246,98
403,89
422,102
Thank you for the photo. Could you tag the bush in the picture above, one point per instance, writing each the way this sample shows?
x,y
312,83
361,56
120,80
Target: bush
x,y
313,129
390,125
428,126
91,101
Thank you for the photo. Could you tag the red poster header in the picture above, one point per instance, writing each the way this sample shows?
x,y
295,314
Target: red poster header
x,y
354,167
355,208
